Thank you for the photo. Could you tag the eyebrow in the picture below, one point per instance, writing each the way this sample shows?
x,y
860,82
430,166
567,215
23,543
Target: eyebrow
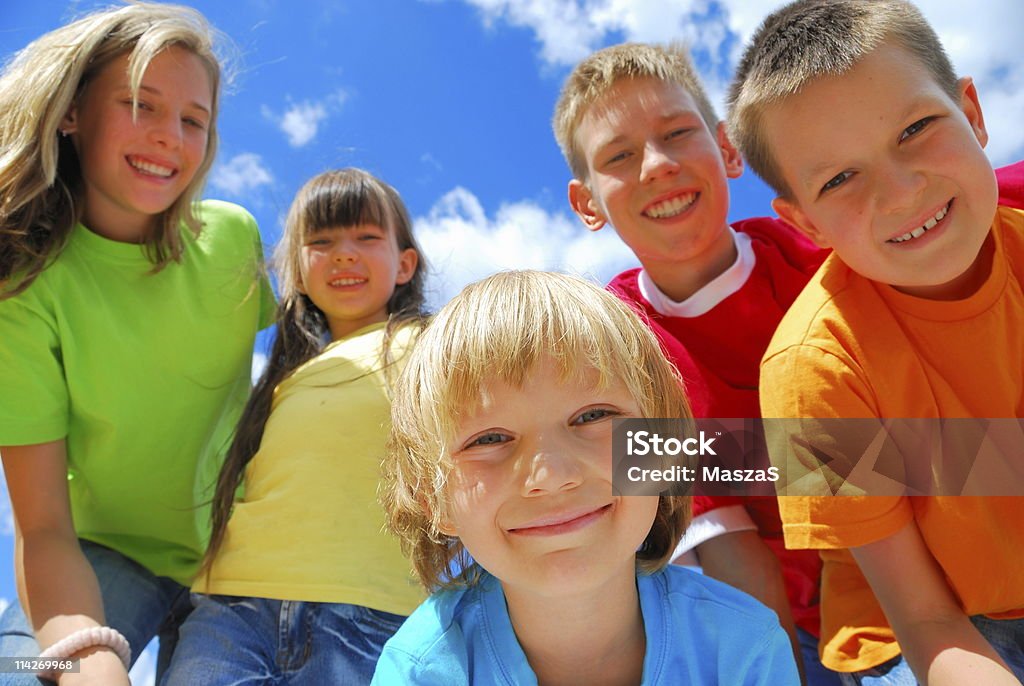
x,y
818,171
663,119
194,104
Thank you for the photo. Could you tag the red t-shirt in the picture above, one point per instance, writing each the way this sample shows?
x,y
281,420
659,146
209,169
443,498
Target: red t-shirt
x,y
718,354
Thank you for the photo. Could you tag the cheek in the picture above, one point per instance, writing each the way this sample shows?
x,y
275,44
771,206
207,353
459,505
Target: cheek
x,y
308,263
640,516
195,147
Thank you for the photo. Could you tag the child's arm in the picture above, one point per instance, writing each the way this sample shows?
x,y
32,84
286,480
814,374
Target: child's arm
x,y
56,584
937,639
742,560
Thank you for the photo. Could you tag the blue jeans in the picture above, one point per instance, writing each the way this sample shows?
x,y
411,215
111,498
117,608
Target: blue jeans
x,y
817,674
1005,635
231,640
135,602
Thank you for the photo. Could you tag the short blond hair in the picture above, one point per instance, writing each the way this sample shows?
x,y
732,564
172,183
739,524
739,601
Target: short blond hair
x,y
41,184
809,39
499,329
596,75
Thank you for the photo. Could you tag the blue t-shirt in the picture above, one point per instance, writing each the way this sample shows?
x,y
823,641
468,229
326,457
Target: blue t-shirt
x,y
699,631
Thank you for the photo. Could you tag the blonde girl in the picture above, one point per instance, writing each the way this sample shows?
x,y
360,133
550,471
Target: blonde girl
x,y
127,315
302,586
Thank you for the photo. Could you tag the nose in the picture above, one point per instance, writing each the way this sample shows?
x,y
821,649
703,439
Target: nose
x,y
550,466
657,162
898,187
344,251
168,131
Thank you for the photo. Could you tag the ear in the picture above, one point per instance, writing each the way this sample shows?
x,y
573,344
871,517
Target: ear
x,y
971,107
444,523
586,207
796,218
730,155
407,261
69,124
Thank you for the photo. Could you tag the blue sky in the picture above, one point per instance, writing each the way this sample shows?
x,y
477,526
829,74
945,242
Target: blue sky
x,y
450,102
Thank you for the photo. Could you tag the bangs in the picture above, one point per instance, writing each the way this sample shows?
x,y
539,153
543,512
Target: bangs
x,y
351,201
501,328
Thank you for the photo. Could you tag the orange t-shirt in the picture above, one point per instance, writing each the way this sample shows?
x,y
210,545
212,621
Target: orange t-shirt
x,y
851,347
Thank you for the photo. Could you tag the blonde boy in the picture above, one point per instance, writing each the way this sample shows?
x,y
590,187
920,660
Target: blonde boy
x,y
650,157
501,450
852,112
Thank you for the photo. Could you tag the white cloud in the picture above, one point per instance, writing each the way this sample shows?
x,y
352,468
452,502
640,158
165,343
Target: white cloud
x,y
464,244
983,44
301,121
240,174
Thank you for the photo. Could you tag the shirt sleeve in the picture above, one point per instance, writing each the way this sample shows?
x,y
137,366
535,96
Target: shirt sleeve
x,y
772,663
268,302
33,393
803,384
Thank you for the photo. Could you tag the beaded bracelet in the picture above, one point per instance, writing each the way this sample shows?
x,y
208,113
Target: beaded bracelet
x,y
87,638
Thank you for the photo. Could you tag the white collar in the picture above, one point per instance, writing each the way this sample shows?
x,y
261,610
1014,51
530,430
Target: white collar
x,y
713,293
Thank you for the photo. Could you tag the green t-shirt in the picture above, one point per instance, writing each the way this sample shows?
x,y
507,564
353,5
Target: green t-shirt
x,y
144,374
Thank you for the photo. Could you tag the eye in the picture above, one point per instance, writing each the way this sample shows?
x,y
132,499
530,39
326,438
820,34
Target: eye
x,y
194,123
915,128
488,438
617,157
677,133
318,241
369,237
836,181
594,414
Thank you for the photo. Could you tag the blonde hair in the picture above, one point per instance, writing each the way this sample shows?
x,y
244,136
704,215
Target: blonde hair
x,y
499,329
810,39
596,75
40,179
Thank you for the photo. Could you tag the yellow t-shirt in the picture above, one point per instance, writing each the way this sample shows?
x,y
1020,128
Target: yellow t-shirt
x,y
309,526
851,347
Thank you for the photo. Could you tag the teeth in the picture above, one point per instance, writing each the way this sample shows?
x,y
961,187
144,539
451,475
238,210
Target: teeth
x,y
920,231
150,168
671,208
347,282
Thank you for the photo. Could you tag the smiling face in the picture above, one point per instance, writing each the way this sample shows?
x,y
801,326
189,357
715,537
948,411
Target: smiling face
x,y
530,493
889,171
134,169
350,273
656,172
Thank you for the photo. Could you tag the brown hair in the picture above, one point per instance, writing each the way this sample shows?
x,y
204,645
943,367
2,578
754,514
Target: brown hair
x,y
812,38
346,197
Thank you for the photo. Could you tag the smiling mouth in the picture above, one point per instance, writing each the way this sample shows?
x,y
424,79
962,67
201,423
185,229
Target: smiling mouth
x,y
924,228
671,207
150,168
559,524
347,282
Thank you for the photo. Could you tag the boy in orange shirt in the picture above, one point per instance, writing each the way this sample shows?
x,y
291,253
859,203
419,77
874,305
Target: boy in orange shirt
x,y
851,111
